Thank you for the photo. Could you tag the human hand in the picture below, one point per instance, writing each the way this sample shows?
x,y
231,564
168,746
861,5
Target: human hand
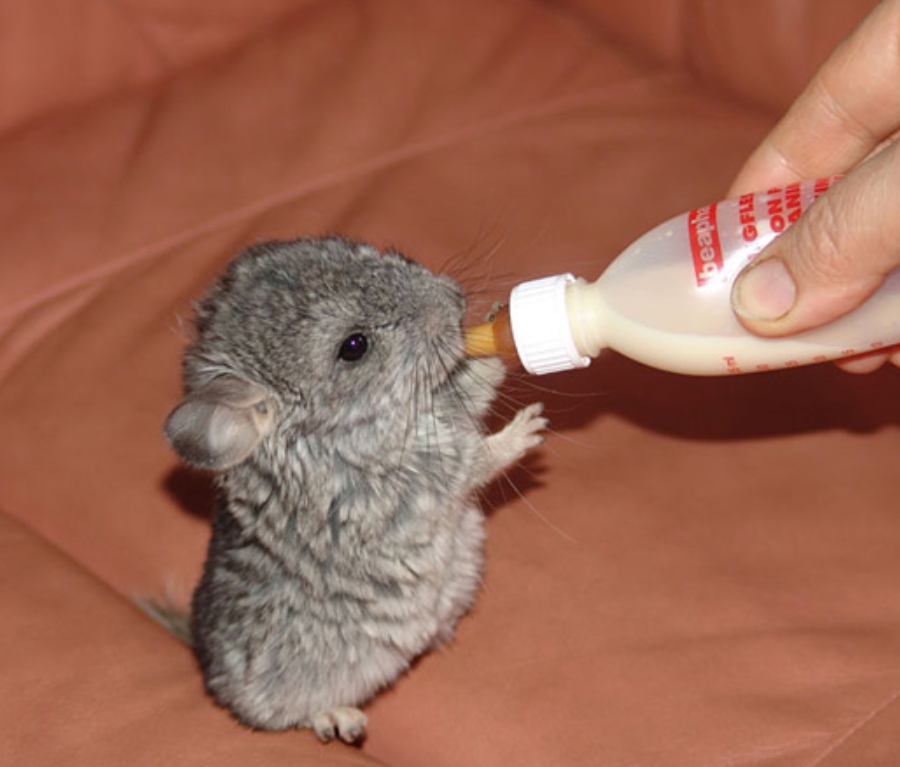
x,y
838,253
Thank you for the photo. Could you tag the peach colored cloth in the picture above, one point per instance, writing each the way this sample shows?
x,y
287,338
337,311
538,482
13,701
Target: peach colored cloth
x,y
691,573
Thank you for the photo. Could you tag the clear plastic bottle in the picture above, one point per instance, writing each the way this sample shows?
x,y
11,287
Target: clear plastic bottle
x,y
666,301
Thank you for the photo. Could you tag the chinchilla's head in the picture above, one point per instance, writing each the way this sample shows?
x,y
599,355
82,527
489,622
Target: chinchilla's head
x,y
326,335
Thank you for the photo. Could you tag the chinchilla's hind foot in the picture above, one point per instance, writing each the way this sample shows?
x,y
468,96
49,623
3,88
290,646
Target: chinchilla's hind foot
x,y
344,722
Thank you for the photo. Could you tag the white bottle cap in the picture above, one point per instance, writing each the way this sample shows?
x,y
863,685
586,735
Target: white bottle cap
x,y
540,326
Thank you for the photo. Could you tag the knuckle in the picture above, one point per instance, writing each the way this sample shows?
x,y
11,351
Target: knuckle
x,y
819,247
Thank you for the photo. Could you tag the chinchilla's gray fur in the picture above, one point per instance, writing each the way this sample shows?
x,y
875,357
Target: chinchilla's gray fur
x,y
345,541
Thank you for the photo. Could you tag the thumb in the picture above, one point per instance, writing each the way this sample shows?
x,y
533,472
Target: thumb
x,y
832,259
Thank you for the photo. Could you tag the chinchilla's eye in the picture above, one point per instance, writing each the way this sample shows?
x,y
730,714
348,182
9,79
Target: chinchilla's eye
x,y
353,348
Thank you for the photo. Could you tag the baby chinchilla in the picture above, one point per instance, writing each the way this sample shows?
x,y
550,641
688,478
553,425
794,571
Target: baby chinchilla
x,y
329,391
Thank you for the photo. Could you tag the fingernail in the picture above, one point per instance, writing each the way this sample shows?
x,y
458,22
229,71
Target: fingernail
x,y
765,291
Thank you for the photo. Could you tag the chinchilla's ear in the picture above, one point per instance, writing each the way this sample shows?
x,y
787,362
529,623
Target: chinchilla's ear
x,y
220,423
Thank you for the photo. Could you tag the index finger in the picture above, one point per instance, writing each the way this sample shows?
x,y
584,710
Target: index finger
x,y
851,106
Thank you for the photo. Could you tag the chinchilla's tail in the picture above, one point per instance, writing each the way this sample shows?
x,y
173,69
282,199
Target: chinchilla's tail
x,y
177,620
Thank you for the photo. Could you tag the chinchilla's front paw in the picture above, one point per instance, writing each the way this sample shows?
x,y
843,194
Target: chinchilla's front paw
x,y
519,435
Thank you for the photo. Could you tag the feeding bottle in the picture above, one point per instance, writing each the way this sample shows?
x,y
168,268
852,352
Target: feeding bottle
x,y
666,301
